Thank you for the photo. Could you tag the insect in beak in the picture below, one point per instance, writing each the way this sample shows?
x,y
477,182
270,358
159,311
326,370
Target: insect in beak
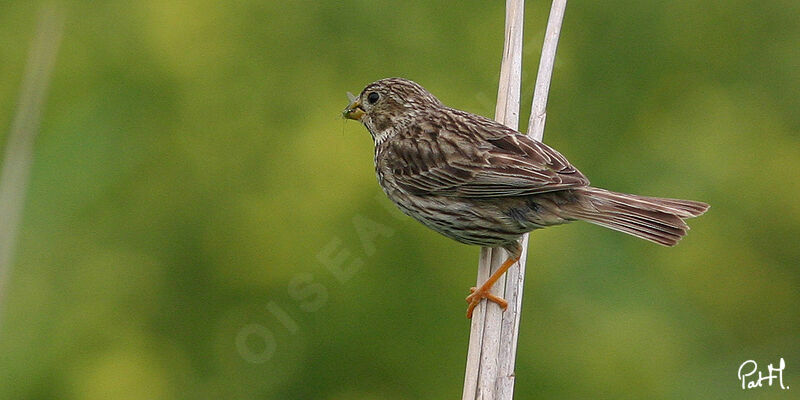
x,y
353,110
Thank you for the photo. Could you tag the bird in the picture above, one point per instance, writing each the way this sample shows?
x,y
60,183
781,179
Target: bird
x,y
479,182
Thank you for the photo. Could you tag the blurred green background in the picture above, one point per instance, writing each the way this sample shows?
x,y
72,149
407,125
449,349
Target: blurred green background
x,y
202,224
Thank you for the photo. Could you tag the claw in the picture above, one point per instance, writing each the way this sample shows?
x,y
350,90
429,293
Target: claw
x,y
476,296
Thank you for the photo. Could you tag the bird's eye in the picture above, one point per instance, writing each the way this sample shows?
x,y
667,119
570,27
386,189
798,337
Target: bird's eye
x,y
373,97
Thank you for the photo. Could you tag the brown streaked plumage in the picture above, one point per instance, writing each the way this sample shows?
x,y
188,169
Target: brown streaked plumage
x,y
480,182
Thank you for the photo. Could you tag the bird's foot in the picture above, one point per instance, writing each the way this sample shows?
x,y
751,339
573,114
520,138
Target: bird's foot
x,y
476,295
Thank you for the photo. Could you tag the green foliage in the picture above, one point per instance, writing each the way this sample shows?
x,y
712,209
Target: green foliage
x,y
201,223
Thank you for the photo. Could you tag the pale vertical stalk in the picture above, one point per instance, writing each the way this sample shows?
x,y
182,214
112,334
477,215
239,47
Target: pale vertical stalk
x,y
539,106
484,361
494,334
19,149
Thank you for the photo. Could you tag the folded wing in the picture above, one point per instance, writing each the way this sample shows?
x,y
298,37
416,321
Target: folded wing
x,y
486,159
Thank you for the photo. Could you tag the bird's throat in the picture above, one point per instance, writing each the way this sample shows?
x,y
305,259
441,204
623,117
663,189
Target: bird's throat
x,y
381,136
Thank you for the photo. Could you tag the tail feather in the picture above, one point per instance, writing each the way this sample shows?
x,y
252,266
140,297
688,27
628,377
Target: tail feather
x,y
658,220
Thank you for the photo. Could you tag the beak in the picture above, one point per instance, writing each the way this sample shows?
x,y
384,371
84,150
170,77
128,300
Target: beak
x,y
353,110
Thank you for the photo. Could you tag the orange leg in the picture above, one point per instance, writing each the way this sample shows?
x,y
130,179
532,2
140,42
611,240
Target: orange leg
x,y
485,290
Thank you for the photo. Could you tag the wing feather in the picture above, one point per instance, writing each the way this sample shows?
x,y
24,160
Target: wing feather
x,y
481,158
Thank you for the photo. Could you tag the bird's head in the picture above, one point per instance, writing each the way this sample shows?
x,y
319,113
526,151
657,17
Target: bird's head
x,y
389,103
